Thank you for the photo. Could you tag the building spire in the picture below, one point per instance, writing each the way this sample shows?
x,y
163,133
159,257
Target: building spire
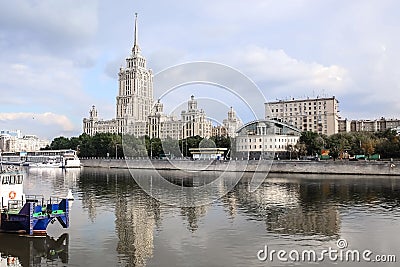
x,y
135,48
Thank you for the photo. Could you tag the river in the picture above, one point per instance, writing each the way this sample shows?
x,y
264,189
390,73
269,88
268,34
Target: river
x,y
114,222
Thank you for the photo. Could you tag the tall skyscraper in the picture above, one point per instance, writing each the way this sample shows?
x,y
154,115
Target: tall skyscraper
x,y
134,99
135,94
136,112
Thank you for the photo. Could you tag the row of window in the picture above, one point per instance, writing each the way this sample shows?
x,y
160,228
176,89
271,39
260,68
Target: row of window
x,y
295,109
12,179
301,104
279,140
265,147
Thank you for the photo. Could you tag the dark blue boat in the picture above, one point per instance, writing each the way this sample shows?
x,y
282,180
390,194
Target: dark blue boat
x,y
28,214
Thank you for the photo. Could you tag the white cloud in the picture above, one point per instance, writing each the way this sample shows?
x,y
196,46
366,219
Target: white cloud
x,y
46,124
278,74
39,81
46,24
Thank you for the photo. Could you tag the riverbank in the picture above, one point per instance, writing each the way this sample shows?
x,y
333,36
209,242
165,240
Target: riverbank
x,y
384,168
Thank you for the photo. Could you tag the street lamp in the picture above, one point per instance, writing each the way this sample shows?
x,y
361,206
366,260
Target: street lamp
x,y
151,149
116,151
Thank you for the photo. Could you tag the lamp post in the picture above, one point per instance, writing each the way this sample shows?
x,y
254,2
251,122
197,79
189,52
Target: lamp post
x,y
151,149
116,151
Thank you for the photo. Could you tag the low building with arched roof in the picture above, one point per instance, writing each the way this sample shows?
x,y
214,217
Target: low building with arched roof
x,y
265,138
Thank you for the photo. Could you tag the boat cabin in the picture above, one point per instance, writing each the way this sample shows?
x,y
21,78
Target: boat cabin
x,y
11,186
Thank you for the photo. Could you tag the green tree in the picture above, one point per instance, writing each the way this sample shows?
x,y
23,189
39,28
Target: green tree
x,y
313,142
60,143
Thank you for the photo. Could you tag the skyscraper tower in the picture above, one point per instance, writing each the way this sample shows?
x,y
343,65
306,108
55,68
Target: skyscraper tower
x,y
135,94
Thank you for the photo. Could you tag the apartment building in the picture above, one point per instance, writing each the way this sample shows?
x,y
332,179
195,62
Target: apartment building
x,y
320,115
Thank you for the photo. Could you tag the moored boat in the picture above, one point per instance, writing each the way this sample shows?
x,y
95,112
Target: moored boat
x,y
70,160
28,214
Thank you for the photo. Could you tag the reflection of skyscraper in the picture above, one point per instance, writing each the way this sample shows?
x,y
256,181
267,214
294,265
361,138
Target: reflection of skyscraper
x,y
193,214
135,223
231,202
89,202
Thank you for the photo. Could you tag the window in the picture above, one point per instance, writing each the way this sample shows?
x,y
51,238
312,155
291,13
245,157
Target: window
x,y
6,180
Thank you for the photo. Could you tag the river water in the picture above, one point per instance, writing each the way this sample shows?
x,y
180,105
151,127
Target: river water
x,y
114,222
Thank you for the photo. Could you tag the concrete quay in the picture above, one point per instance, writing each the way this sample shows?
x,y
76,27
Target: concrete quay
x,y
383,168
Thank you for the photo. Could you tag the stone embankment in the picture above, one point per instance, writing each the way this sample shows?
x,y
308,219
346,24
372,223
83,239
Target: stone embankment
x,y
385,168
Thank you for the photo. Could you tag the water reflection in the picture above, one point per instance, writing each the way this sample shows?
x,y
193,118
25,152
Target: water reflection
x,y
136,213
147,232
285,209
33,251
288,205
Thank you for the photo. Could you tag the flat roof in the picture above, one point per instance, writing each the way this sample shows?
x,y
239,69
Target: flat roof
x,y
301,100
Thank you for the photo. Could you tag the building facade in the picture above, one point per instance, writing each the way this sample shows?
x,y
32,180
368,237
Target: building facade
x,y
380,125
136,112
134,99
266,139
14,141
193,122
232,123
229,125
320,115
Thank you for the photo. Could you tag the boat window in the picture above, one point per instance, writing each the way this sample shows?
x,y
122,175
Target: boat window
x,y
19,179
5,179
12,179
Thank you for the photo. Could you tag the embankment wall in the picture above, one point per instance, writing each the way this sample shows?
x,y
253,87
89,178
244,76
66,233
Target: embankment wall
x,y
295,166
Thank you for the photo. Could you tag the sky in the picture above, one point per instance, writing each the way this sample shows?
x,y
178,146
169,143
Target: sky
x,y
58,58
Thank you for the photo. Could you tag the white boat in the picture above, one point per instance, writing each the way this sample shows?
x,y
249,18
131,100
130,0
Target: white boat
x,y
70,160
63,158
51,162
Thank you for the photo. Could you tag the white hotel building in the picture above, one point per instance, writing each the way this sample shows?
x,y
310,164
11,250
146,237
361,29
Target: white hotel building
x,y
266,139
136,111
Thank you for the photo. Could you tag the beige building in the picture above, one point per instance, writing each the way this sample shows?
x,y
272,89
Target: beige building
x,y
380,125
229,125
232,123
193,122
16,143
318,115
135,112
134,100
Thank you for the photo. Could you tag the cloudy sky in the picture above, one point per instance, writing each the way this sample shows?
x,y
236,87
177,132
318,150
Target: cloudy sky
x,y
57,58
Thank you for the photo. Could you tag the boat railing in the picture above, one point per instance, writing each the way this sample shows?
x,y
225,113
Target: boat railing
x,y
54,200
35,198
14,205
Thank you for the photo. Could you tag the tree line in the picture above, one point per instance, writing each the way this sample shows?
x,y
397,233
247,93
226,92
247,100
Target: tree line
x,y
386,144
118,146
